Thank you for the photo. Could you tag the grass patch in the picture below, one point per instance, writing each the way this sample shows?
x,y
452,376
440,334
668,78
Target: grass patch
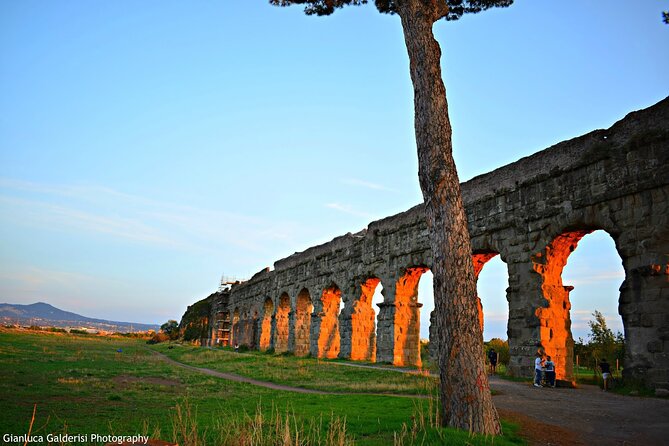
x,y
82,384
308,373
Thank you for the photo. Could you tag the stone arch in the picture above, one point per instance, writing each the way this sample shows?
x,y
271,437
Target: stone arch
x,y
596,272
363,324
253,330
236,334
480,260
328,335
266,324
555,337
282,324
406,326
303,309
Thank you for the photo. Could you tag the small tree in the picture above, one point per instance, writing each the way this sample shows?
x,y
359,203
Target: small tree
x,y
466,402
171,329
602,342
502,349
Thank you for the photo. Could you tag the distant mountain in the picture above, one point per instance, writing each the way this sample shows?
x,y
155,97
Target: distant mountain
x,y
43,314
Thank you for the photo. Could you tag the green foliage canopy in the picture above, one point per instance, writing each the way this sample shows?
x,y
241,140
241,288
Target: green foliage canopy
x,y
502,349
602,343
171,329
456,8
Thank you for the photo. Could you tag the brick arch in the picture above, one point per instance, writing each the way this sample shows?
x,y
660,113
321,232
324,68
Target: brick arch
x,y
328,335
555,337
406,323
266,324
282,324
302,322
479,259
363,324
236,332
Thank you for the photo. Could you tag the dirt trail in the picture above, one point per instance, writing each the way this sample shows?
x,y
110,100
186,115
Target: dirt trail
x,y
239,378
268,384
591,416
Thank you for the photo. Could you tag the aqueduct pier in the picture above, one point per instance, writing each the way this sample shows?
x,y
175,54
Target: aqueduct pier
x,y
532,213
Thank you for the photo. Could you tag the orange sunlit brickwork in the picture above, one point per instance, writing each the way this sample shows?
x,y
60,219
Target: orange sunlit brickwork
x,y
303,311
328,339
266,325
556,339
363,336
406,346
282,324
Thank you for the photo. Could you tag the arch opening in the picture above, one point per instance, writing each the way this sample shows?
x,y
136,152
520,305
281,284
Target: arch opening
x,y
303,310
363,336
329,337
426,297
266,324
235,327
282,324
556,337
406,326
492,280
595,273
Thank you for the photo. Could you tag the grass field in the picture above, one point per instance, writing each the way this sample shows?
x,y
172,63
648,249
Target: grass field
x,y
308,373
83,384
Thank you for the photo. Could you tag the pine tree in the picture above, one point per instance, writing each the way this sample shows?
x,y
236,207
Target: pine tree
x,y
465,394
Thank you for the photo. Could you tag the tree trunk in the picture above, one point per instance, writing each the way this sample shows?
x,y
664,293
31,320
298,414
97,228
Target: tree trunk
x,y
465,394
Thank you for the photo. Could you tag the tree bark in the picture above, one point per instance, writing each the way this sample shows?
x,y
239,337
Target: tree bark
x,y
466,401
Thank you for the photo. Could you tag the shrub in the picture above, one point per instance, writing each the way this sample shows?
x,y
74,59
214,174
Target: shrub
x,y
158,337
502,349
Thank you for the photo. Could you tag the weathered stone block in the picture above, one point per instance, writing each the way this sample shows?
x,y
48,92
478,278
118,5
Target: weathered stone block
x,y
655,346
662,392
646,320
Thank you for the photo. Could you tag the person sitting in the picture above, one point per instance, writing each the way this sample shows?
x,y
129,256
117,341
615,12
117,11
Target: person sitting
x,y
606,373
550,371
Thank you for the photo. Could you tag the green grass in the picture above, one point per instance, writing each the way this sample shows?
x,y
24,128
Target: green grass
x,y
81,384
308,373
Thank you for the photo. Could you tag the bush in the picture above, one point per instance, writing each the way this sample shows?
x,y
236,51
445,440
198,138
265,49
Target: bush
x,y
171,329
502,349
158,338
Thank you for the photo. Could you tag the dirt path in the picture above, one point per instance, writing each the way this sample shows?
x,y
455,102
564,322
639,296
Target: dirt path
x,y
584,416
239,378
268,384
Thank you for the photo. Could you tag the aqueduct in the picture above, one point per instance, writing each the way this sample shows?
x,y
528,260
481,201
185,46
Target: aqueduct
x,y
532,213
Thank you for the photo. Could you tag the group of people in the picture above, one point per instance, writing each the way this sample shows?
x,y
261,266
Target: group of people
x,y
544,370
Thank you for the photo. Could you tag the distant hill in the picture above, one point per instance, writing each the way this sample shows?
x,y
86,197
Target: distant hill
x,y
43,314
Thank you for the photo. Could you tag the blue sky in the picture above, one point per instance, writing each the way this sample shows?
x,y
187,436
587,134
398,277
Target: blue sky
x,y
148,147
